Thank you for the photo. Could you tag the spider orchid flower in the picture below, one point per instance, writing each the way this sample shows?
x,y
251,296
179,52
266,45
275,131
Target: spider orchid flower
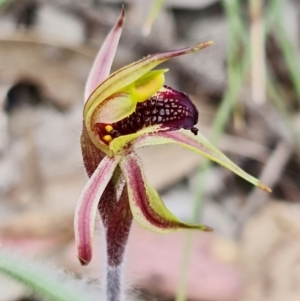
x,y
124,111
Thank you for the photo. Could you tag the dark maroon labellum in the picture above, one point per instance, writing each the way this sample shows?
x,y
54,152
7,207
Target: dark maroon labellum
x,y
171,109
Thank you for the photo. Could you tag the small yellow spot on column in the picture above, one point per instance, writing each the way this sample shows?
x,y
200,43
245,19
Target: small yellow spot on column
x,y
107,138
109,128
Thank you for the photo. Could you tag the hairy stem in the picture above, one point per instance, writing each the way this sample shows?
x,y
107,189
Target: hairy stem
x,y
117,222
114,291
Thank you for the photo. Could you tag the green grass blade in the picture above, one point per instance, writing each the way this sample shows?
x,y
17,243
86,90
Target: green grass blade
x,y
39,279
4,2
290,57
157,5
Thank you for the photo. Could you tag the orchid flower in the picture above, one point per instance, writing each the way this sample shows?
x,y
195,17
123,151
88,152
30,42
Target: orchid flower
x,y
124,111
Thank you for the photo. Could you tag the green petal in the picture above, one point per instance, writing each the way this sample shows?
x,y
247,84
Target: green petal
x,y
122,104
200,145
130,73
114,109
146,205
120,145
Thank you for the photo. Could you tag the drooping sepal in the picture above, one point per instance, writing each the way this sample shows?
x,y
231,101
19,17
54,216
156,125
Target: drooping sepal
x,y
110,196
146,205
86,209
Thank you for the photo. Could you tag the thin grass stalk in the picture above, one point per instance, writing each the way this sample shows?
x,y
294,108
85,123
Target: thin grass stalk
x,y
220,122
290,57
3,2
35,278
257,45
279,100
236,25
157,5
276,94
237,31
236,74
288,50
274,7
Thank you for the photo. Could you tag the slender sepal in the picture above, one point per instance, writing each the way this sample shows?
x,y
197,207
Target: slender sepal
x,y
198,144
102,64
110,196
146,205
86,209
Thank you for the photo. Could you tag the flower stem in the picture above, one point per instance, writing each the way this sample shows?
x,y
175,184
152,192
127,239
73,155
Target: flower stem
x,y
113,283
117,224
